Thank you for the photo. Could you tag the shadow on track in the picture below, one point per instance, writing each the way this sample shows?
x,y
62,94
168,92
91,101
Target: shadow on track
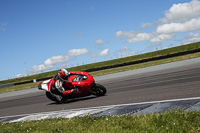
x,y
74,100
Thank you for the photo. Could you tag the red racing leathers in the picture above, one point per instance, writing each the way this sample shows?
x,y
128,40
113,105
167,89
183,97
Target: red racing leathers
x,y
68,88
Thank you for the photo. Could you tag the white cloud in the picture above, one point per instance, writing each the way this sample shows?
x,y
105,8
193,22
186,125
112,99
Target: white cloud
x,y
139,37
193,37
132,36
191,25
20,75
123,49
49,63
99,42
182,12
102,53
161,38
181,17
76,52
144,25
123,34
40,68
60,59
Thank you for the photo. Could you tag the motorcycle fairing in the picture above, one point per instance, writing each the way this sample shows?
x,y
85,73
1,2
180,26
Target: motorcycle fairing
x,y
45,85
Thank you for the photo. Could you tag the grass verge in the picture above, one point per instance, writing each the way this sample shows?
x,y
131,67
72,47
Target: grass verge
x,y
173,121
109,71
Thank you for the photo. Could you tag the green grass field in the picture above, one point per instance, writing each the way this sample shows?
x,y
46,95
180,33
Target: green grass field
x,y
173,122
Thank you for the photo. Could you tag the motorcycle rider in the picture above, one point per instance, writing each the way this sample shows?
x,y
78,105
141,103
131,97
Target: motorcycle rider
x,y
59,79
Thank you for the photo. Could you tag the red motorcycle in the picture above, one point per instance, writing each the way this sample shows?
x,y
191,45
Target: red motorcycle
x,y
82,80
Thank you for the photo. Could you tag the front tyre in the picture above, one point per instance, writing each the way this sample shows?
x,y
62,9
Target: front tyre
x,y
100,90
48,94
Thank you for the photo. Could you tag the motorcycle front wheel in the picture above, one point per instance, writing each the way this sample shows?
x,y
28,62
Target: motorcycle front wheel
x,y
100,90
48,94
64,99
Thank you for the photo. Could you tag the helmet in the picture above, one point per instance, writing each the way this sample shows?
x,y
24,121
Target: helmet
x,y
63,74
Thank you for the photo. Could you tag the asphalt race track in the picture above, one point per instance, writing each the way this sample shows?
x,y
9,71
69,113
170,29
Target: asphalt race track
x,y
182,81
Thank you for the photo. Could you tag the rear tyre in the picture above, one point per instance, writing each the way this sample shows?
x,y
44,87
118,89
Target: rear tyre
x,y
100,90
39,86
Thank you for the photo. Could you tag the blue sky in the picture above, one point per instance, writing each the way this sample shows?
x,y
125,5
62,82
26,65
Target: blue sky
x,y
44,35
